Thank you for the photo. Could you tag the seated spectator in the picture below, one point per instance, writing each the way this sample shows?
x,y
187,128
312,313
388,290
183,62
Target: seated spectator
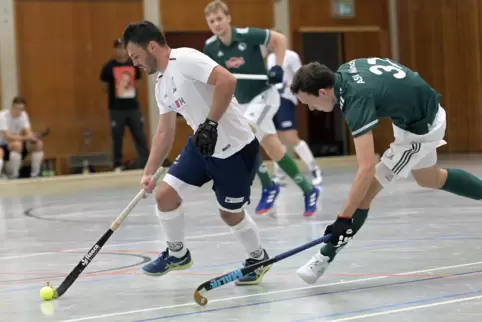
x,y
17,140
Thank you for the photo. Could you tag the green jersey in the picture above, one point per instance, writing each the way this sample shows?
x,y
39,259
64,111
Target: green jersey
x,y
371,89
242,56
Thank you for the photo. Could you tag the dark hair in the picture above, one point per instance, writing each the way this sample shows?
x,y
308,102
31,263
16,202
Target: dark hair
x,y
19,100
141,33
311,77
118,43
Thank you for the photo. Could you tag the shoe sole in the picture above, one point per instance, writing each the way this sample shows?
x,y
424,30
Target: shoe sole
x,y
256,281
175,268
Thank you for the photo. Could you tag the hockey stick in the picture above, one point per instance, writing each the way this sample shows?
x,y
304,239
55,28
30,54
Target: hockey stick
x,y
257,77
237,274
85,261
43,133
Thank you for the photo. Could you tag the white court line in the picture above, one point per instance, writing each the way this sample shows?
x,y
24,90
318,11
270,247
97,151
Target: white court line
x,y
145,242
86,318
396,215
406,309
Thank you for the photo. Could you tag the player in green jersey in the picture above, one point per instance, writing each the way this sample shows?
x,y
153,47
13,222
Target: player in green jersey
x,y
369,90
239,51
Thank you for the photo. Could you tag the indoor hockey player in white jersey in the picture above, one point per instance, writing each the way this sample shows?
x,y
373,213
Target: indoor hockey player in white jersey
x,y
223,148
285,118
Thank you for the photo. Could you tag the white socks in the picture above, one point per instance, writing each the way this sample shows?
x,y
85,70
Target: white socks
x,y
37,158
172,224
14,163
303,150
1,165
247,233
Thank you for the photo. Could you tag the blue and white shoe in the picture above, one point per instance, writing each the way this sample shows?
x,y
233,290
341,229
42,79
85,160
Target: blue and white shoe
x,y
255,277
268,197
311,202
166,263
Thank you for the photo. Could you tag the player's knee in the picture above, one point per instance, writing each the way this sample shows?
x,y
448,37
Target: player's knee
x,y
38,146
15,146
432,178
167,198
273,147
232,218
290,137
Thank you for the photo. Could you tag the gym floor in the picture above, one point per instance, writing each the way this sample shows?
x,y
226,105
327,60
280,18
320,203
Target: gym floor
x,y
416,259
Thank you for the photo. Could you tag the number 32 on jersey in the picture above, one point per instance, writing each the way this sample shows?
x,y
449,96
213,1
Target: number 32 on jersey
x,y
385,65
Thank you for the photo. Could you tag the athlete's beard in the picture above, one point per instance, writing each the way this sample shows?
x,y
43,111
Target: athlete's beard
x,y
151,64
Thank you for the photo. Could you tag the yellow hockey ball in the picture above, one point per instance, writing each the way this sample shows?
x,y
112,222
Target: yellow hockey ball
x,y
47,293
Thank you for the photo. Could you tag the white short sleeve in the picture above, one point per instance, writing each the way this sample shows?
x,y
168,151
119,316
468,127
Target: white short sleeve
x,y
196,65
25,121
160,105
3,122
271,60
295,62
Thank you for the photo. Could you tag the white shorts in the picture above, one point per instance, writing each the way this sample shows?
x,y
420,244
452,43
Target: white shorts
x,y
260,112
411,151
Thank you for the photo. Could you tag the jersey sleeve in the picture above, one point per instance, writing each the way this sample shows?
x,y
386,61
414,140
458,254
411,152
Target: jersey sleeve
x,y
197,66
270,61
160,105
254,36
3,122
295,62
106,73
360,114
26,121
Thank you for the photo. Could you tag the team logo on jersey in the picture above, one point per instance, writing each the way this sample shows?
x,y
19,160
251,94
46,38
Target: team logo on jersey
x,y
178,104
235,62
242,46
220,54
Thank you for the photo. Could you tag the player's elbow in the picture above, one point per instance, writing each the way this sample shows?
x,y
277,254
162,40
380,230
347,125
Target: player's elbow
x,y
221,76
278,40
227,80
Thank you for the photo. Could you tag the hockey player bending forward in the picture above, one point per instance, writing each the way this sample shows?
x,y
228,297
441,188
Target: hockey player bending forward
x,y
368,90
223,148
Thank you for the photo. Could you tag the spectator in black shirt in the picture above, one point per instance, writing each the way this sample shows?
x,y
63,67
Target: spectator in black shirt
x,y
119,77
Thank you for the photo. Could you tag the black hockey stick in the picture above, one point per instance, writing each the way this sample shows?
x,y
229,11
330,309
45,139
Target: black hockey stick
x,y
85,261
237,274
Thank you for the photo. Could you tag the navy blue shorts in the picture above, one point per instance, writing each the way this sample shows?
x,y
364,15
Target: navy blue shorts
x,y
285,118
232,177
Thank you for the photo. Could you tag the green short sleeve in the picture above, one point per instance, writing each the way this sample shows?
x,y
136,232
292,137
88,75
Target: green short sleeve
x,y
360,114
254,36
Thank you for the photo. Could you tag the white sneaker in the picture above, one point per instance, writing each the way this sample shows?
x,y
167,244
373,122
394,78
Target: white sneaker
x,y
312,271
279,176
317,177
280,180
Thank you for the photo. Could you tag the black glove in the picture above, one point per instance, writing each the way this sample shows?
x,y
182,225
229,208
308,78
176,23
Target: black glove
x,y
206,137
341,231
275,75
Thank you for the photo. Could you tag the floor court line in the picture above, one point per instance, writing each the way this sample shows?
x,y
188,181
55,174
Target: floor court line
x,y
407,309
313,295
261,294
94,274
397,215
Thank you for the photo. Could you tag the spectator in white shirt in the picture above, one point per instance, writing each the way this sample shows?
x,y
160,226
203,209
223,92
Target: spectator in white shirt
x,y
17,140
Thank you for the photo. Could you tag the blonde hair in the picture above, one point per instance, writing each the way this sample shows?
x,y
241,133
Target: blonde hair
x,y
216,5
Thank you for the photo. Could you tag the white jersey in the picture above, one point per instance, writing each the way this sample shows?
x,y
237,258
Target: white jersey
x,y
14,125
291,64
183,88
